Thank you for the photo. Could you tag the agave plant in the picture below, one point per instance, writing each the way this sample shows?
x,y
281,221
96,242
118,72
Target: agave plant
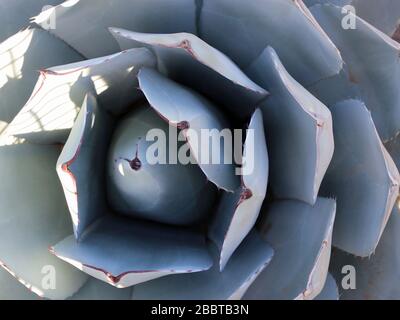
x,y
84,214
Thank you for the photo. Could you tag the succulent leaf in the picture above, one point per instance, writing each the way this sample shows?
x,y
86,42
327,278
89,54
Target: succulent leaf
x,y
237,213
157,211
180,105
375,277
28,227
95,289
50,113
383,15
337,88
242,30
165,192
189,60
123,252
152,16
252,256
300,235
20,57
373,62
298,131
80,169
15,15
363,179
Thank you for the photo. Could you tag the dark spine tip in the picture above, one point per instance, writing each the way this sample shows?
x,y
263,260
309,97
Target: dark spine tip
x,y
135,164
185,44
245,195
183,125
114,279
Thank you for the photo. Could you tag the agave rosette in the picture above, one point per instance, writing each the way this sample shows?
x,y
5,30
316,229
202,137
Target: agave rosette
x,y
80,196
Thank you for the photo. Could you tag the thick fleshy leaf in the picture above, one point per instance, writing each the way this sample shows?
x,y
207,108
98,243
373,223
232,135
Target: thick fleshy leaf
x,y
12,289
84,26
248,261
237,213
300,235
382,14
187,110
332,90
124,252
255,168
373,62
242,30
95,289
189,60
330,291
21,56
30,225
376,277
166,192
81,165
362,177
298,131
54,105
15,15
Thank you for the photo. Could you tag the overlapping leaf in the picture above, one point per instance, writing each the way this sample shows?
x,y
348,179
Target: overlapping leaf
x,y
242,30
376,277
15,15
189,60
33,215
237,213
158,187
248,261
362,177
123,252
95,289
81,167
186,109
50,113
298,131
21,56
383,14
300,235
373,62
80,20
